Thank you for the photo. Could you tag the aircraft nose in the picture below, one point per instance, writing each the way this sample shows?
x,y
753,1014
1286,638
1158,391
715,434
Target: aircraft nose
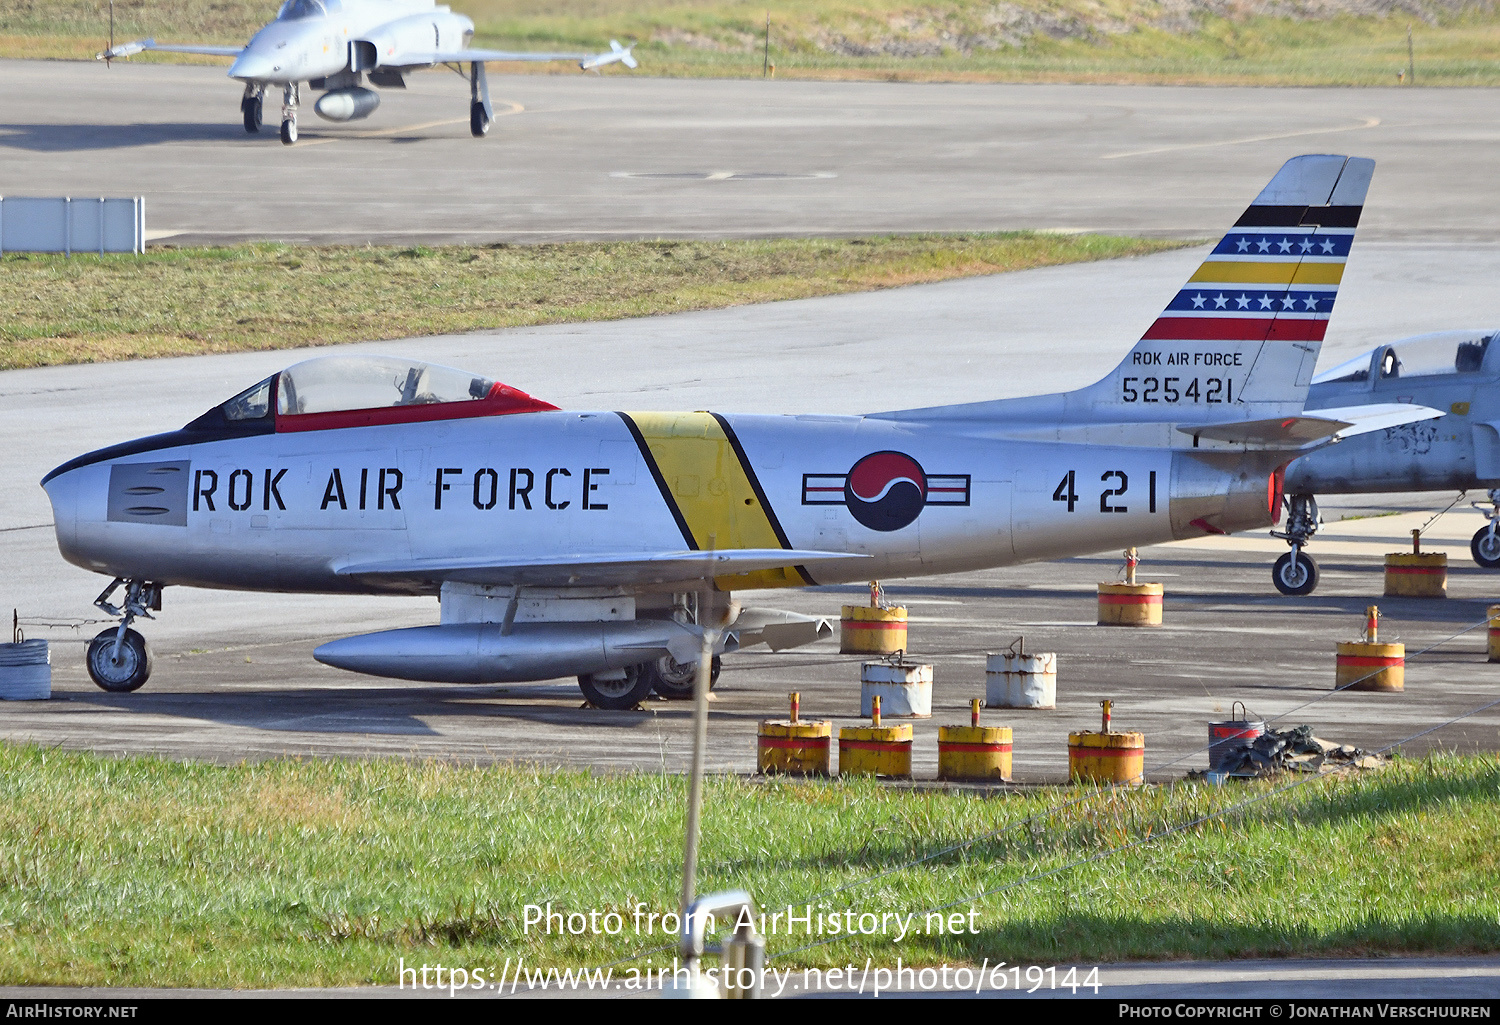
x,y
63,492
255,66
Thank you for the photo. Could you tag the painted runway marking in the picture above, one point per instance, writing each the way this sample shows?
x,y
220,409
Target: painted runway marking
x,y
1366,122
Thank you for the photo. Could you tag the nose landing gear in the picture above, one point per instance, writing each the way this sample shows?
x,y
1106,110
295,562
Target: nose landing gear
x,y
119,659
1485,547
290,96
1296,573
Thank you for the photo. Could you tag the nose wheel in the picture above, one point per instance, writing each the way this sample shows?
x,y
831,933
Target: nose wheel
x,y
119,659
1485,547
479,121
119,664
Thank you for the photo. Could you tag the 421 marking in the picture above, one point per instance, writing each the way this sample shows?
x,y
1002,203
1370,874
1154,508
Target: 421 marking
x,y
1109,497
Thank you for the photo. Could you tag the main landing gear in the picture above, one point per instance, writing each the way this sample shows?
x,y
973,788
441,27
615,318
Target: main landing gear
x,y
625,688
252,106
119,659
479,101
1295,573
290,97
669,678
1485,547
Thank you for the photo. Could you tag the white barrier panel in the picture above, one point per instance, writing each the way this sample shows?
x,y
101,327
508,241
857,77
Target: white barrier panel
x,y
67,225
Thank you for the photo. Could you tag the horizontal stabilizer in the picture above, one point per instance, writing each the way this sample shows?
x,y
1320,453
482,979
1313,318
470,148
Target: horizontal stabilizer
x,y
1378,416
1297,432
596,570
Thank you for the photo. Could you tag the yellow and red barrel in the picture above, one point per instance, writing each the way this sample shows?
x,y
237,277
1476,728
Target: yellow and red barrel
x,y
1130,604
869,630
793,746
974,753
875,750
1494,645
1369,664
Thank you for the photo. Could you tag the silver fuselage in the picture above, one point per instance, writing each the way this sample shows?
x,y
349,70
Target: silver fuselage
x,y
301,49
269,512
1459,450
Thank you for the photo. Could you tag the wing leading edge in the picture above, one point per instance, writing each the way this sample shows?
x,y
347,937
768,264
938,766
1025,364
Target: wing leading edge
x,y
128,49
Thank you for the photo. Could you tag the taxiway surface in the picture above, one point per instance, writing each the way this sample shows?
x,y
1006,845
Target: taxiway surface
x,y
626,155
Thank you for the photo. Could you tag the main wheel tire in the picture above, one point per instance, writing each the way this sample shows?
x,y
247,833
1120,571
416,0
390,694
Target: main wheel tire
x,y
675,680
132,669
479,121
1295,578
1485,547
620,694
288,132
253,111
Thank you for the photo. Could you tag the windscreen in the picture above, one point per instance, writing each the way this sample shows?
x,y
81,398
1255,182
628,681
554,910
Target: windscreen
x,y
295,9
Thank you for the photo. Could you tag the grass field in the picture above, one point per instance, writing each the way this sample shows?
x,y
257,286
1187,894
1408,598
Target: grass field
x,y
139,871
1336,42
187,301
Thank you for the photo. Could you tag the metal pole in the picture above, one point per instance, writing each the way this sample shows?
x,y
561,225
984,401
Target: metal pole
x,y
111,29
700,741
1411,60
765,65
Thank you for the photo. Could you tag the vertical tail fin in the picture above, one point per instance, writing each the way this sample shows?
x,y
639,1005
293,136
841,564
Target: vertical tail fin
x,y
1276,274
1240,339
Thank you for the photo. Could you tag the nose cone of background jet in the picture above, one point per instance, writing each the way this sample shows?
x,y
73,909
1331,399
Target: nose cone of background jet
x,y
255,66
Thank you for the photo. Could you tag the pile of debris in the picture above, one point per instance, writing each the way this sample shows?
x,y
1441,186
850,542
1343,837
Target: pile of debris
x,y
1295,750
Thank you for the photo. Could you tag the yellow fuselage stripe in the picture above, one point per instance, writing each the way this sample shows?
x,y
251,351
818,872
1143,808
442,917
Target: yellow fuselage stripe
x,y
714,492
1225,271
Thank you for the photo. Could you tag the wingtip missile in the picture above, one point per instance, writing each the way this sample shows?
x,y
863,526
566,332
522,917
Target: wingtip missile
x,y
616,54
125,50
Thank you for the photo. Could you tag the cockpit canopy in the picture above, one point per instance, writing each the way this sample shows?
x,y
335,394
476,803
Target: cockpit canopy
x,y
361,391
1444,352
293,10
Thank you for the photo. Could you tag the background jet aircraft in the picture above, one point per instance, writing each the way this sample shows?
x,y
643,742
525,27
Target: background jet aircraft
x,y
333,44
595,543
1457,372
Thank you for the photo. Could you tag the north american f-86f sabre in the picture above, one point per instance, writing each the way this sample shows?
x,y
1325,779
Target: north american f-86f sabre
x,y
334,44
594,544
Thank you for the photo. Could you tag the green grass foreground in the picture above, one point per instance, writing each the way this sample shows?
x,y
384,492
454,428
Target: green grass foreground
x,y
1339,42
141,871
174,302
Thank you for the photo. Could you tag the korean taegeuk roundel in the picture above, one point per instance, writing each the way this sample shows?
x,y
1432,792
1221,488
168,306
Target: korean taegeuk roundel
x,y
886,490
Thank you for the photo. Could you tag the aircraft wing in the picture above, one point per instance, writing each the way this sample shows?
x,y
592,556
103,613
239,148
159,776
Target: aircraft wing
x,y
587,61
1298,432
594,570
127,49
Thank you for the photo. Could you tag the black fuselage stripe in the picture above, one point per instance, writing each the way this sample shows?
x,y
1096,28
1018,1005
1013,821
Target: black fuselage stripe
x,y
661,482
